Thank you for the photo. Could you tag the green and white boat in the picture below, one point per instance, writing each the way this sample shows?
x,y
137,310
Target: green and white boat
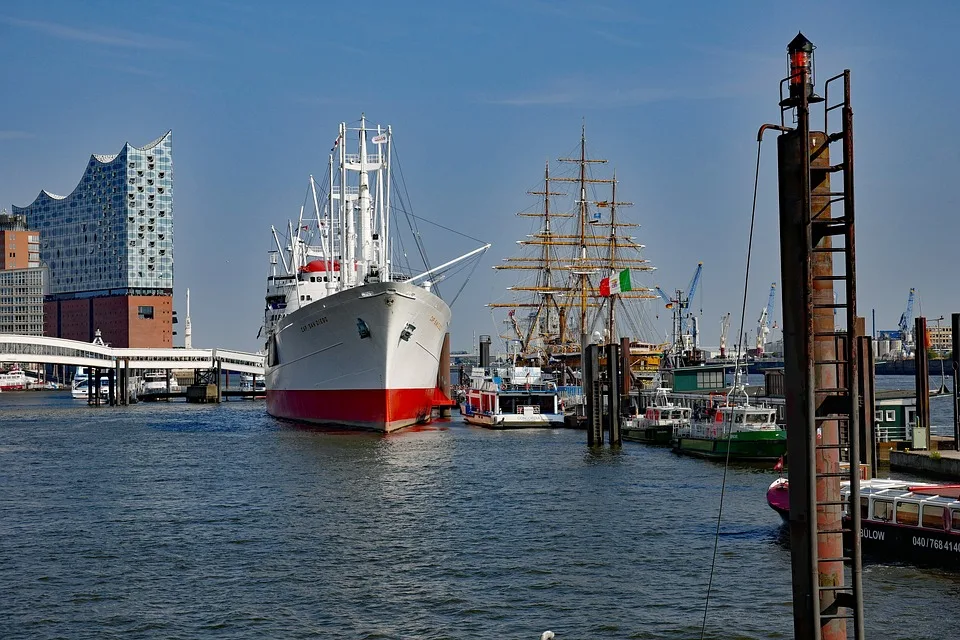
x,y
737,431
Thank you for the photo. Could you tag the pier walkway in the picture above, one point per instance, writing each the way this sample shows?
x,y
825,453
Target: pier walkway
x,y
43,350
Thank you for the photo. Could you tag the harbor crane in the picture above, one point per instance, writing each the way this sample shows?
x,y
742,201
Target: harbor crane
x,y
763,324
906,319
679,304
724,327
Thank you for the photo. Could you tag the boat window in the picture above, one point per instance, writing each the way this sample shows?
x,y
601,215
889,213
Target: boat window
x,y
864,507
757,418
738,418
933,516
908,513
955,525
882,510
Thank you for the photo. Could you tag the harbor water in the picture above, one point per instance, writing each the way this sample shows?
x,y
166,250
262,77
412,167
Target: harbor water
x,y
170,520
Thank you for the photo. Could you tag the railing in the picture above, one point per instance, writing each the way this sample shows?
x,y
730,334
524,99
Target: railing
x,y
46,350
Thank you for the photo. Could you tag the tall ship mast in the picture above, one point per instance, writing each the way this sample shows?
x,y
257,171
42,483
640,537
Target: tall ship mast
x,y
353,336
573,250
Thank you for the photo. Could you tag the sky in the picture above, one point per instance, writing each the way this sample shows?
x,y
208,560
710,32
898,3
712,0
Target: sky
x,y
480,95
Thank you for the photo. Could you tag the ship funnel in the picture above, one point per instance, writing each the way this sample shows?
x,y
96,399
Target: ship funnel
x,y
484,351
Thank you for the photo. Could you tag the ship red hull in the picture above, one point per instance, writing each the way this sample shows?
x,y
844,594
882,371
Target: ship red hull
x,y
376,409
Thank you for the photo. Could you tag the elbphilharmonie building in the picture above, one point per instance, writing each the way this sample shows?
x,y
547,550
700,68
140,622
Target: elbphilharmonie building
x,y
108,249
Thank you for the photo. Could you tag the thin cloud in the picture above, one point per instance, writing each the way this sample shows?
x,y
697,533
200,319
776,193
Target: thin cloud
x,y
619,40
15,135
129,40
574,92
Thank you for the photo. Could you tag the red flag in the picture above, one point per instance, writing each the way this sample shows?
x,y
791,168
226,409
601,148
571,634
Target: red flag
x,y
779,465
605,287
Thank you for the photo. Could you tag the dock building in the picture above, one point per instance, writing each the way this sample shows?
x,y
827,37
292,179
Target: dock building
x,y
22,279
108,249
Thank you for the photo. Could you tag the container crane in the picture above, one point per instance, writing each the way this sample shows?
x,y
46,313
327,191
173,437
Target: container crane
x,y
906,319
724,327
763,324
679,304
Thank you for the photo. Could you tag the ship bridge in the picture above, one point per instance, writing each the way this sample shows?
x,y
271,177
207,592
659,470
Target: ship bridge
x,y
44,350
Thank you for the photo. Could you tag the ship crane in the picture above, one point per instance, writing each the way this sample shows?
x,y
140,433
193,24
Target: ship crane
x,y
724,327
906,318
679,304
763,324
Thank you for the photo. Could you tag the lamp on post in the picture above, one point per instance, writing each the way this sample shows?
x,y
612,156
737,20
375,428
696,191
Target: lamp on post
x,y
800,57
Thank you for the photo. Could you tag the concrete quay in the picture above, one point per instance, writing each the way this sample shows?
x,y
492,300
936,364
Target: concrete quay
x,y
937,463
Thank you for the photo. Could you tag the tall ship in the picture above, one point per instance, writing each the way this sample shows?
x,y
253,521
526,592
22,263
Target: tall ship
x,y
579,277
353,337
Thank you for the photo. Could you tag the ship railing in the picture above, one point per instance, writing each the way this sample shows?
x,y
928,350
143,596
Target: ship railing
x,y
354,158
533,386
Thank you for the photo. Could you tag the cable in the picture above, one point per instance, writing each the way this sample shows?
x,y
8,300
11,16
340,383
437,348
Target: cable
x,y
740,346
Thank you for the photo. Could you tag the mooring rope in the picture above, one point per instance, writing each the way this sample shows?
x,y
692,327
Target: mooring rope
x,y
736,381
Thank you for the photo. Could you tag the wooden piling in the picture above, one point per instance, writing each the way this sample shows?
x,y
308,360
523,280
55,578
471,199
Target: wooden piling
x,y
613,393
591,390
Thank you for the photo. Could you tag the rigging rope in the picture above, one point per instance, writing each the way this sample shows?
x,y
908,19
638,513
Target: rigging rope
x,y
740,347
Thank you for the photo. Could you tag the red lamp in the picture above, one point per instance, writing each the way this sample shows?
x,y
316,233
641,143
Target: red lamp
x,y
801,80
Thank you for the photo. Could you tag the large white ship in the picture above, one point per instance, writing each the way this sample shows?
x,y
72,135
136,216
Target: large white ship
x,y
352,341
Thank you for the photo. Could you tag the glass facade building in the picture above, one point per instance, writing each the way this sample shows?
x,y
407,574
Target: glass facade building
x,y
114,233
108,249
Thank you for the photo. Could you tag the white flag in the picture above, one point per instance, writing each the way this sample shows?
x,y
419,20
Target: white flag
x,y
380,139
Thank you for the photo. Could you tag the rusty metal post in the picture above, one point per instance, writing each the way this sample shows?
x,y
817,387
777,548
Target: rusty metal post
x,y
626,376
796,271
613,393
922,377
443,373
955,322
808,327
827,375
868,425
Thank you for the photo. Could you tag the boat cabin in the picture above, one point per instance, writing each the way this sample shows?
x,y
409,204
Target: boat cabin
x,y
924,506
512,390
744,417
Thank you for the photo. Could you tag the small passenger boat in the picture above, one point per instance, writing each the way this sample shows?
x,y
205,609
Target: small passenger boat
x,y
660,420
512,398
899,520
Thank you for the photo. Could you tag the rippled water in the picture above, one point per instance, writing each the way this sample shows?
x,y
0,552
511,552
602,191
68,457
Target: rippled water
x,y
185,521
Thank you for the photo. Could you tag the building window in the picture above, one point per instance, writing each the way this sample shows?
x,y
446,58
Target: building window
x,y
891,416
145,313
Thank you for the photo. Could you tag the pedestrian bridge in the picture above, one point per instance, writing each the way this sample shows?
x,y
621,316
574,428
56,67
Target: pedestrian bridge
x,y
42,350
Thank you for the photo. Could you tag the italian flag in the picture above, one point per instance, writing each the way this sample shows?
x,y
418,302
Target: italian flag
x,y
617,282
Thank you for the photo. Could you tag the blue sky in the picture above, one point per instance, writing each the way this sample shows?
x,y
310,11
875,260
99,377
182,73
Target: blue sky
x,y
480,94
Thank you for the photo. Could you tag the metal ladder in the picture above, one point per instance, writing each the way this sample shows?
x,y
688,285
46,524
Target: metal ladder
x,y
835,360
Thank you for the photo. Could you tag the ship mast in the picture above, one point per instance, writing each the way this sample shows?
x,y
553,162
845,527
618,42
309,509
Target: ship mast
x,y
544,288
577,253
612,250
582,270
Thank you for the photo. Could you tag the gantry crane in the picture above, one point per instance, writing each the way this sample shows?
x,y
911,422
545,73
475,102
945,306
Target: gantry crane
x,y
679,304
906,332
724,327
763,324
